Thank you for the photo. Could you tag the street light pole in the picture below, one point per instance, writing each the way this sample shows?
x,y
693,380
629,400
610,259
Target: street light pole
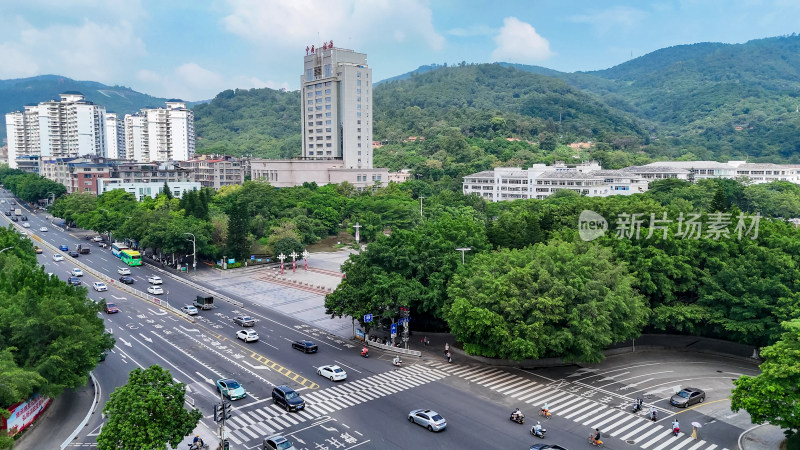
x,y
194,253
420,205
463,250
7,248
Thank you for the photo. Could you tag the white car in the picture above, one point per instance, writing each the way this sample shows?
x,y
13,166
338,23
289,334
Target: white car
x,y
58,257
124,271
26,225
99,286
43,229
247,335
97,239
155,279
189,309
155,290
333,373
77,272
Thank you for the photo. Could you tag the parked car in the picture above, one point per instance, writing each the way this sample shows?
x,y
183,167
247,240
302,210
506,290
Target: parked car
x,y
245,321
155,290
155,279
287,398
124,271
75,281
247,335
190,310
111,308
57,257
126,279
76,272
687,397
427,418
277,442
73,254
305,346
332,372
231,389
99,286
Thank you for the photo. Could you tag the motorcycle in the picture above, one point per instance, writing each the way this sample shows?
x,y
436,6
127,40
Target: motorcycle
x,y
597,443
520,419
196,446
397,362
653,416
365,352
540,434
675,431
545,413
637,405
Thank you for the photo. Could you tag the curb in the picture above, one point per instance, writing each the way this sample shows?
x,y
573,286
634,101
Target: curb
x,y
88,414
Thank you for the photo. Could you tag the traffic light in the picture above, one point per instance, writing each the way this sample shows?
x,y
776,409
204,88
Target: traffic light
x,y
217,413
226,410
226,445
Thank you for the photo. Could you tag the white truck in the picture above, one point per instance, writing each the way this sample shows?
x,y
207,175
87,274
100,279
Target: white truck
x,y
18,212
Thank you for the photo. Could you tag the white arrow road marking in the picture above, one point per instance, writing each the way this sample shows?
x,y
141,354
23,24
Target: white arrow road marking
x,y
118,298
157,312
190,329
125,342
146,338
205,378
580,372
259,367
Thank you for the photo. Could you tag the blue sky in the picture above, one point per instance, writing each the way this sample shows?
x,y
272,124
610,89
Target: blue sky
x,y
193,49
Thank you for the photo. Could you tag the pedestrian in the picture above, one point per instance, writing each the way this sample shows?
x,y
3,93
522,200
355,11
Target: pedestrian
x,y
449,358
427,341
446,348
694,432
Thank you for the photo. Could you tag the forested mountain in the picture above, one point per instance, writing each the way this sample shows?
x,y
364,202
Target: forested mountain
x,y
15,94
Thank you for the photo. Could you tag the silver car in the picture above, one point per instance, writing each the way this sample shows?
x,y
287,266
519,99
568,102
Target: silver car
x,y
427,418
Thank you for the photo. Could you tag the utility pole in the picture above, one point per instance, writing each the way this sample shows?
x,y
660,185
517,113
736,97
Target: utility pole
x,y
222,412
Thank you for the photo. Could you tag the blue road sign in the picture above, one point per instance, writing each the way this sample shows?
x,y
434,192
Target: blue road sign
x,y
394,329
367,318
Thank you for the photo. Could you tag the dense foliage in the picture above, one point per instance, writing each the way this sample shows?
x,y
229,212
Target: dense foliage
x,y
772,396
50,334
29,186
147,412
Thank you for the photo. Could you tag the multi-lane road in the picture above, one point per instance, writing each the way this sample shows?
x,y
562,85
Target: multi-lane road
x,y
369,409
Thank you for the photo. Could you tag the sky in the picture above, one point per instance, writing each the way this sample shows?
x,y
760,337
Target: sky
x,y
194,49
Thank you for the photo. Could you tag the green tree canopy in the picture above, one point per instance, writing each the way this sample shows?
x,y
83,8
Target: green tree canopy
x,y
147,412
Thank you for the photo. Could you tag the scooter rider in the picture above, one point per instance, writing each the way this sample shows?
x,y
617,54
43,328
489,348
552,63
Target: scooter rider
x,y
676,427
537,429
545,409
653,413
396,361
364,351
516,415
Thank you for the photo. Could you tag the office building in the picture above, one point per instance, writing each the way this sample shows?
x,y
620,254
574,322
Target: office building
x,y
215,171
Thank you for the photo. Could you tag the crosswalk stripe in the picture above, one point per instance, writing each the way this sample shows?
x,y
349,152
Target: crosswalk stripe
x,y
232,436
625,418
659,437
458,371
671,441
479,373
696,446
681,444
580,404
246,417
712,447
641,437
542,394
489,377
568,400
530,388
585,408
495,386
594,415
508,389
262,413
246,430
237,422
618,431
647,424
279,420
609,419
293,418
261,428
536,390
556,398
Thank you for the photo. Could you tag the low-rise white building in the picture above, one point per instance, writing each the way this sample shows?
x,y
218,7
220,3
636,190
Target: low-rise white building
x,y
756,173
540,181
295,172
140,190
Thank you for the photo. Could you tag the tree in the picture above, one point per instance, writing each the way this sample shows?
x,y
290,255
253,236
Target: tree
x,y
147,412
718,203
556,300
238,246
772,396
165,190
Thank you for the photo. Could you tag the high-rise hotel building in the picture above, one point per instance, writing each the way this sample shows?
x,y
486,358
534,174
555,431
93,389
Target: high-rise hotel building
x,y
336,88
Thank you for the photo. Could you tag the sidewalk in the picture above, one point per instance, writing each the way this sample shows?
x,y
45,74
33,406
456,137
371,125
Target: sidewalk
x,y
762,437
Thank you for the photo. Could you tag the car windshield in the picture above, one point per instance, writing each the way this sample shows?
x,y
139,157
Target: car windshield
x,y
111,305
233,385
291,394
684,394
437,418
284,445
338,370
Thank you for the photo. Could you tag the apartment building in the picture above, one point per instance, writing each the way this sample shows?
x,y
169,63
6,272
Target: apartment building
x,y
70,126
78,174
160,134
115,136
215,171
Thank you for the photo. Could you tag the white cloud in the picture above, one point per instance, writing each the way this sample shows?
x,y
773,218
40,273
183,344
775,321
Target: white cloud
x,y
191,81
299,23
88,50
473,30
519,42
611,19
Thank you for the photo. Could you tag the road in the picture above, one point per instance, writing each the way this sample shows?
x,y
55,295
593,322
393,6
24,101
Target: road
x,y
369,409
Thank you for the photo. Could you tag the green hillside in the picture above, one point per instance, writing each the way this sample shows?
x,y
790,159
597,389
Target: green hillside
x,y
15,94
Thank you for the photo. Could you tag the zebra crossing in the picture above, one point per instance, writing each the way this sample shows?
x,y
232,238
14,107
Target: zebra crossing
x,y
247,424
579,407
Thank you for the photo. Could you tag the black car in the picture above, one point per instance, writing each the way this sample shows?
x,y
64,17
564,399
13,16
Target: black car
x,y
8,213
75,281
305,346
23,218
73,254
287,398
125,279
547,447
14,219
687,397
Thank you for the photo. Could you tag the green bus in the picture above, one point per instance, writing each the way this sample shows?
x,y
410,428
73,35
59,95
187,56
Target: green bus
x,y
130,257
